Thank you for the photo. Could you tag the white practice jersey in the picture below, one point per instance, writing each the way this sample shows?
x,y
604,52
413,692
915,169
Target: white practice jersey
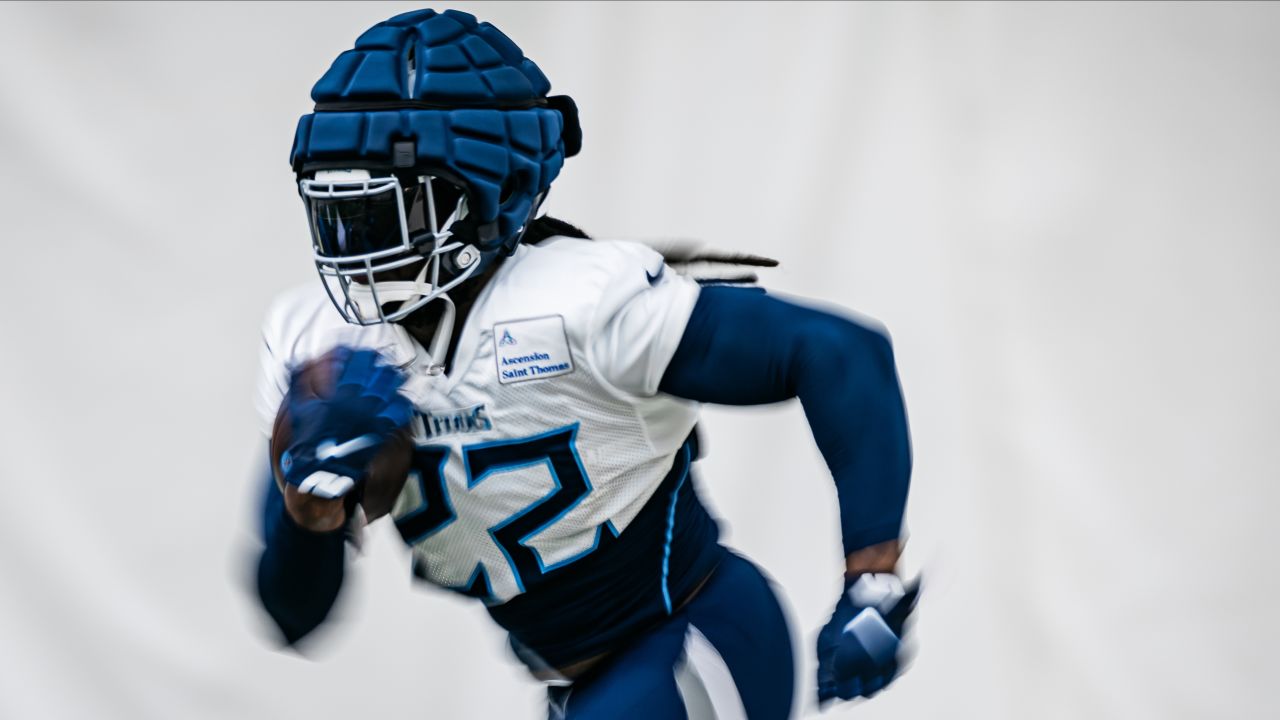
x,y
547,432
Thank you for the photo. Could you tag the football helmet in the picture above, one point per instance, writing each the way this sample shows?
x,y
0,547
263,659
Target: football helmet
x,y
432,145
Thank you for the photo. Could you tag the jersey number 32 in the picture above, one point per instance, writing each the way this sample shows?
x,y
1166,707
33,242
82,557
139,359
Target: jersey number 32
x,y
486,463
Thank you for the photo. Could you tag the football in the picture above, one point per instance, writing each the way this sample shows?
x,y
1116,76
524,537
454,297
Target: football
x,y
386,473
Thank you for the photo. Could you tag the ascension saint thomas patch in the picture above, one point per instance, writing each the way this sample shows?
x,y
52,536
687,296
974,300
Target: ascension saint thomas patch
x,y
531,349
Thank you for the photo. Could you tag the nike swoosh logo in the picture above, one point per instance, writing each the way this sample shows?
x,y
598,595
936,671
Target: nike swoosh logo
x,y
327,449
653,278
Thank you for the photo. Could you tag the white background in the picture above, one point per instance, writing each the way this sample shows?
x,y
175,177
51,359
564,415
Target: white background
x,y
1066,214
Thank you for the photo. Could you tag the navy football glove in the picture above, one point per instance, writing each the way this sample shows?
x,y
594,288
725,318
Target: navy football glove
x,y
858,648
335,436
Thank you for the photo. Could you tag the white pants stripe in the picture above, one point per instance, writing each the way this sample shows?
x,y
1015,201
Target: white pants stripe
x,y
704,681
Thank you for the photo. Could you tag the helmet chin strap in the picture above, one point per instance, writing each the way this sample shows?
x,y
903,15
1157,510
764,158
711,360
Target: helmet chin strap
x,y
439,350
407,293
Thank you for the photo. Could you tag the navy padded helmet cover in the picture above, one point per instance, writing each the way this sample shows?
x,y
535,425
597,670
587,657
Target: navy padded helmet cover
x,y
477,112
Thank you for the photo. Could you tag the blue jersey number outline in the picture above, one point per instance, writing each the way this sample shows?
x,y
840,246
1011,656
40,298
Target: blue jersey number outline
x,y
556,449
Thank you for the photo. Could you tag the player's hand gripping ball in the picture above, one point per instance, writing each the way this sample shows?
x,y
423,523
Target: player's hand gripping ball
x,y
859,649
342,430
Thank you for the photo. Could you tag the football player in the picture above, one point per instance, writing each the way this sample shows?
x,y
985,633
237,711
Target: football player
x,y
550,384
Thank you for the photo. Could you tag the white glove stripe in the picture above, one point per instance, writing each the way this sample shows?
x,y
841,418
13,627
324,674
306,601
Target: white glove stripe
x,y
874,634
326,485
878,590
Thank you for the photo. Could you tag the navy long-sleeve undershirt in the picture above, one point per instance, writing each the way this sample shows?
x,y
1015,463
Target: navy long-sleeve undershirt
x,y
745,347
300,572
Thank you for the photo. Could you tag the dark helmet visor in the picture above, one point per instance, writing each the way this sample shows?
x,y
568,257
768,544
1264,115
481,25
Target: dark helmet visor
x,y
351,226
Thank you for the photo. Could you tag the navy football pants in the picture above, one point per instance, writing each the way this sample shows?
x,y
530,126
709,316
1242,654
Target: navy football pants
x,y
725,655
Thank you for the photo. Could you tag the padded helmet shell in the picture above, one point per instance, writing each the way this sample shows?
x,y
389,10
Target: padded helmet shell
x,y
442,94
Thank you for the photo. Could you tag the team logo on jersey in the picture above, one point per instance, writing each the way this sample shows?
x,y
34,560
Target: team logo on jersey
x,y
473,419
543,351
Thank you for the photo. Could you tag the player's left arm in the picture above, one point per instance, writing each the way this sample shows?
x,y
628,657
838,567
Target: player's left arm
x,y
742,346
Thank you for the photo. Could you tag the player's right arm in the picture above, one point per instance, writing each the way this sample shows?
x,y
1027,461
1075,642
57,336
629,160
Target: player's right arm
x,y
301,567
327,443
340,412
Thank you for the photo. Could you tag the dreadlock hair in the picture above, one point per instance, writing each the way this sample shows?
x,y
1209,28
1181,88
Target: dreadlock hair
x,y
546,226
706,265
